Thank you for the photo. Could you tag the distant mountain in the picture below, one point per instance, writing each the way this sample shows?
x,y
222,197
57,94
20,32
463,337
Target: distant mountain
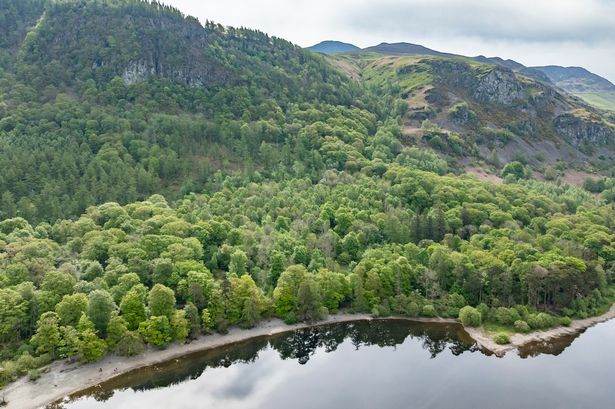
x,y
515,66
406,49
333,47
577,79
592,88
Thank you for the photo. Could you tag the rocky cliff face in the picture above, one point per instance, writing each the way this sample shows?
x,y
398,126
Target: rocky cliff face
x,y
582,131
143,44
499,86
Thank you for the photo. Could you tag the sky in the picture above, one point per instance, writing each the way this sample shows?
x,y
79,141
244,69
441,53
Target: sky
x,y
532,32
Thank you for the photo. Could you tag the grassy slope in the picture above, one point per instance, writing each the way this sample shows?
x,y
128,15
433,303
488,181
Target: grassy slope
x,y
604,100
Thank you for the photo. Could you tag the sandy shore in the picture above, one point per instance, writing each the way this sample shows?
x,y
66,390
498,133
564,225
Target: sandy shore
x,y
65,378
519,340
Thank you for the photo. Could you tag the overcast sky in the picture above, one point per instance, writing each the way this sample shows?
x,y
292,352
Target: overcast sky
x,y
533,32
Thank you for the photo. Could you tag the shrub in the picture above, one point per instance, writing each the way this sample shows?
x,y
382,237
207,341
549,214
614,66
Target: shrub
x,y
470,316
540,321
428,311
522,326
34,374
484,311
413,309
506,316
501,339
565,321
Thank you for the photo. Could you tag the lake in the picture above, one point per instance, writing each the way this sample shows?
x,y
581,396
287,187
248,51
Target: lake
x,y
377,364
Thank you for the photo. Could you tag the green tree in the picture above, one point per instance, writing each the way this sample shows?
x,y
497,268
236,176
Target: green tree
x,y
161,301
180,326
71,308
308,302
116,330
194,320
99,309
470,316
132,307
90,347
156,330
47,337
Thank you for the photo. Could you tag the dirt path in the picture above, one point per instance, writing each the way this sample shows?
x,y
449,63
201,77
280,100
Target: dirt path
x,y
64,378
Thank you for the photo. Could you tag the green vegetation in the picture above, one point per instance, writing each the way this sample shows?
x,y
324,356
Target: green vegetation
x,y
470,316
501,339
604,100
310,200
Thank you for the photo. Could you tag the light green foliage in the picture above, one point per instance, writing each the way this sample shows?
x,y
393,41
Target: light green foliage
x,y
161,301
13,310
428,311
285,293
316,173
180,326
521,326
245,303
207,321
470,316
71,308
238,263
116,330
47,337
90,346
132,308
156,331
501,339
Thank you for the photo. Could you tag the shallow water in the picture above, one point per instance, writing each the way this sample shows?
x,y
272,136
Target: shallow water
x,y
378,364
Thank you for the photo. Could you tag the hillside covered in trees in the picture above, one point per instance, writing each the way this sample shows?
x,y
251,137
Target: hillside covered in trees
x,y
170,179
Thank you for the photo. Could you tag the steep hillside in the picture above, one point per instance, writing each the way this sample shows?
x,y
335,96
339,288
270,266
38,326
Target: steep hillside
x,y
468,109
333,47
158,105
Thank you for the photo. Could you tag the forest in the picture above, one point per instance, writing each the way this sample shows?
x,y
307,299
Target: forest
x,y
137,214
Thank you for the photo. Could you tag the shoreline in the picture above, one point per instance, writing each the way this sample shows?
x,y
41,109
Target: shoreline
x,y
517,341
65,378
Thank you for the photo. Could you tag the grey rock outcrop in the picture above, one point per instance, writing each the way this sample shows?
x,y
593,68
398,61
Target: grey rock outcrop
x,y
580,131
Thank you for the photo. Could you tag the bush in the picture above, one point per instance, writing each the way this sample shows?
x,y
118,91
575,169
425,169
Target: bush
x,y
506,316
428,311
413,309
565,321
470,316
522,326
501,339
34,374
484,311
540,321
130,344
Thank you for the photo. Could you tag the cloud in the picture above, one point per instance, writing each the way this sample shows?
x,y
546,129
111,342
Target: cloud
x,y
590,21
533,32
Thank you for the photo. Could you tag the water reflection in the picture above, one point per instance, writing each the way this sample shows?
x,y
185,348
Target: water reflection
x,y
368,364
298,345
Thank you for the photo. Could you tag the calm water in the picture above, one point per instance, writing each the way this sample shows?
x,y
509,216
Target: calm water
x,y
386,364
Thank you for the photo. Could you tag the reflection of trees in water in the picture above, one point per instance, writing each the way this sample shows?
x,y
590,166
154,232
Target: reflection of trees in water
x,y
303,343
299,345
552,347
